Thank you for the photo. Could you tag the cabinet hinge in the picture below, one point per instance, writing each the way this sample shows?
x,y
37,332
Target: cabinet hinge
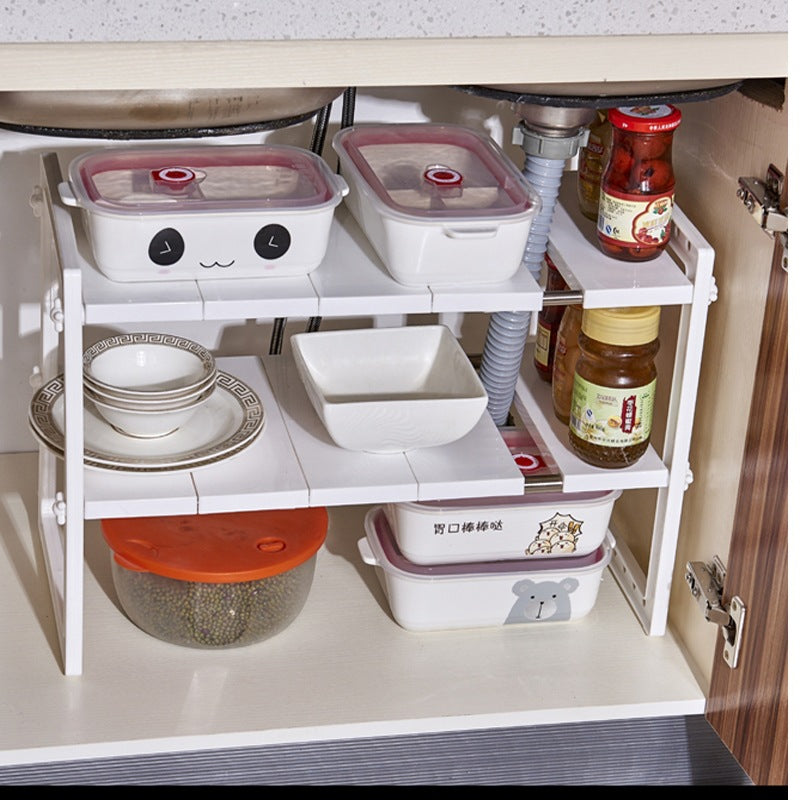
x,y
706,582
762,198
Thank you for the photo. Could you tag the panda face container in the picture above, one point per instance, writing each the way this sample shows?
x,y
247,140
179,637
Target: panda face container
x,y
204,212
481,594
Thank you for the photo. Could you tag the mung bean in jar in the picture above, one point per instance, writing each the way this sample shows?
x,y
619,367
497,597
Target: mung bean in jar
x,y
215,580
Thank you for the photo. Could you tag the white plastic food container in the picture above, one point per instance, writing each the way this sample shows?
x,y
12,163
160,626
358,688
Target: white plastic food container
x,y
484,593
441,204
204,212
536,526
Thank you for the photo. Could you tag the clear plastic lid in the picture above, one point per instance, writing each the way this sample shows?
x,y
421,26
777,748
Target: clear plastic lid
x,y
202,178
432,170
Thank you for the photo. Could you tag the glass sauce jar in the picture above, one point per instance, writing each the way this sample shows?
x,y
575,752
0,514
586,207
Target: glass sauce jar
x,y
564,361
634,219
614,385
547,324
592,159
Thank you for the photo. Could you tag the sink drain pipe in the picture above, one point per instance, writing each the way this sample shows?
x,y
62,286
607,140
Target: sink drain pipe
x,y
546,154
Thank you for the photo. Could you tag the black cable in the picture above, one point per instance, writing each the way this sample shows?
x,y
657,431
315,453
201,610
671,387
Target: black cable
x,y
348,115
317,144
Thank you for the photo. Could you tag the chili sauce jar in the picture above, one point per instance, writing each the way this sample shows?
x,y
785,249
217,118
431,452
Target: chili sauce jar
x,y
634,219
614,386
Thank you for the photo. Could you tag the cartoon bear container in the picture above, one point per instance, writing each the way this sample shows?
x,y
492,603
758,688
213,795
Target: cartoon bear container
x,y
538,601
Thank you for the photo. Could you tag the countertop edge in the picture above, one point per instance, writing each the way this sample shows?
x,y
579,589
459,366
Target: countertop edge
x,y
32,66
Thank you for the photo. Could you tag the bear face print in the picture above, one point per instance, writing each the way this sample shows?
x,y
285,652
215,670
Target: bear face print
x,y
538,601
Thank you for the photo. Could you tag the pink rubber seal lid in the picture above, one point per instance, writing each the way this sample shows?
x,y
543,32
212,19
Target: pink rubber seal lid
x,y
202,178
435,170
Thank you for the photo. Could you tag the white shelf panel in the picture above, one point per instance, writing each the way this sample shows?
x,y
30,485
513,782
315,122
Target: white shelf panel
x,y
342,669
351,281
111,302
520,292
533,402
266,474
109,493
294,463
258,298
607,282
479,463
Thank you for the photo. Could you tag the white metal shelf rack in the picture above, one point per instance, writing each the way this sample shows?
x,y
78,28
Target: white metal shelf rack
x,y
683,276
312,470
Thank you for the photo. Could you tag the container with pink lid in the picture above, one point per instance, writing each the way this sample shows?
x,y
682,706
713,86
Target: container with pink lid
x,y
204,211
441,204
541,525
425,597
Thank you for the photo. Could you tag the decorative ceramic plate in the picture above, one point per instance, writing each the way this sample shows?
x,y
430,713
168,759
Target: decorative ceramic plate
x,y
229,421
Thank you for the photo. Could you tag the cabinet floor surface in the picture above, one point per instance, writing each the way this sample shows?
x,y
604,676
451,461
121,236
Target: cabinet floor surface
x,y
344,669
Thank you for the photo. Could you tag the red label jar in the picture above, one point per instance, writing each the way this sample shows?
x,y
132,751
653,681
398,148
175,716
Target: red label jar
x,y
638,185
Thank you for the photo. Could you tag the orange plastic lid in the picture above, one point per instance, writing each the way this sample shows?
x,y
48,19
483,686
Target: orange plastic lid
x,y
218,548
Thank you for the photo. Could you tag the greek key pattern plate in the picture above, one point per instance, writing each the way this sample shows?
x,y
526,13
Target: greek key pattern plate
x,y
231,420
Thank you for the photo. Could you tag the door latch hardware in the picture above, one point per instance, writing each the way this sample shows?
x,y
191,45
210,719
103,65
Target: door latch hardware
x,y
706,582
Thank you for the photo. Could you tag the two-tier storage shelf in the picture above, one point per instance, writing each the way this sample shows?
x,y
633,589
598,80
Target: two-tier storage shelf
x,y
293,463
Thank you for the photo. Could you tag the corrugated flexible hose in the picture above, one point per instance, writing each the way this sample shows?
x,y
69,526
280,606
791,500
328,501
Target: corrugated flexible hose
x,y
508,330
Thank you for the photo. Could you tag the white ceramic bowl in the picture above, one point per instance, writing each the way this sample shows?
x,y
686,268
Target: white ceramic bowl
x,y
148,424
147,365
388,390
150,403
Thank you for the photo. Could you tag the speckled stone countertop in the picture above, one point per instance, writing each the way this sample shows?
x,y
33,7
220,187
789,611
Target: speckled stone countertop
x,y
269,20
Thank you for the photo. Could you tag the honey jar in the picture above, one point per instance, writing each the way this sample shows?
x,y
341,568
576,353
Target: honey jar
x,y
614,386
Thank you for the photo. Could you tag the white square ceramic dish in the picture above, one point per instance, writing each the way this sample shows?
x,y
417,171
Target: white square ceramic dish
x,y
484,593
441,204
388,390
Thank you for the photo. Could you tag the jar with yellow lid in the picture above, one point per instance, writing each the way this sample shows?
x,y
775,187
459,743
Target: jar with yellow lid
x,y
614,385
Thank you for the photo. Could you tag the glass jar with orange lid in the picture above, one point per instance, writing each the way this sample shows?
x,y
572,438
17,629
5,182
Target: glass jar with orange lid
x,y
614,386
637,189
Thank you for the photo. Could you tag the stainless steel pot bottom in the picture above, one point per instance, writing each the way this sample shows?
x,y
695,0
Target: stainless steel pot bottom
x,y
158,113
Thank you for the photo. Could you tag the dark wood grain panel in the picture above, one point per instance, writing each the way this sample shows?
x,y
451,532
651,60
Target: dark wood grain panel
x,y
748,706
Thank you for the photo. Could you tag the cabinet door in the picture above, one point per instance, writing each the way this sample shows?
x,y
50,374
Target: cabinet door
x,y
748,706
736,506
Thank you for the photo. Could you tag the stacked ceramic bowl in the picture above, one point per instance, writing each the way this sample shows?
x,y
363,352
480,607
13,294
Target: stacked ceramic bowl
x,y
148,385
